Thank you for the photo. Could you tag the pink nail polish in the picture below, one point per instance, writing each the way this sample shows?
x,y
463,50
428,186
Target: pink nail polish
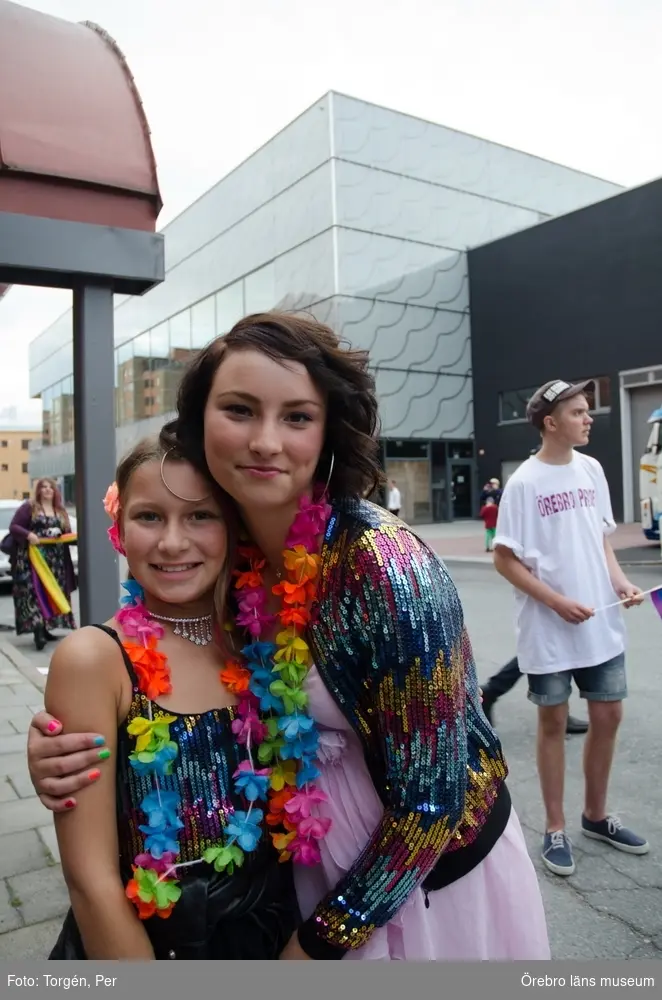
x,y
69,803
52,726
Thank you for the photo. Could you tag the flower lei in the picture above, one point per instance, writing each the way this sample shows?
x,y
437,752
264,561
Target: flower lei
x,y
271,718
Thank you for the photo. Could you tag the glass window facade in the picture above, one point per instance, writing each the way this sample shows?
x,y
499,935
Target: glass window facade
x,y
372,242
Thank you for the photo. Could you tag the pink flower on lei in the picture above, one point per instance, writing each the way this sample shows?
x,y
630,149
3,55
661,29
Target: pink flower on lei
x,y
249,727
159,865
251,598
316,827
309,524
248,704
299,806
251,616
304,852
137,624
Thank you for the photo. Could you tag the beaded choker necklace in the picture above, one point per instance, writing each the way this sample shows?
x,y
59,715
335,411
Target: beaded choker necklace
x,y
196,630
271,720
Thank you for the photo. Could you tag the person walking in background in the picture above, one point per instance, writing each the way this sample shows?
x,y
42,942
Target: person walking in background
x,y
43,517
552,546
394,501
491,491
488,515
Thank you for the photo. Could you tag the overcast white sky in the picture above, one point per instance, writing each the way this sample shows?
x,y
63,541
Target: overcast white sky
x,y
573,81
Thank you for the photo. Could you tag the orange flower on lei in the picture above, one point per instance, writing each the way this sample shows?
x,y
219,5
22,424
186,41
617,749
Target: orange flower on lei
x,y
294,616
151,668
276,815
304,565
295,593
235,677
145,910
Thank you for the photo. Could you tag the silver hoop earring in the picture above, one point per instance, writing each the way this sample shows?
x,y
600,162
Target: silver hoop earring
x,y
328,481
163,480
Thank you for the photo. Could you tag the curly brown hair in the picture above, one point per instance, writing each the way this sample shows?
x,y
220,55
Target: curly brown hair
x,y
339,372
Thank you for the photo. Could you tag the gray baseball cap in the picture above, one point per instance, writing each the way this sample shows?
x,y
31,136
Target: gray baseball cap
x,y
549,395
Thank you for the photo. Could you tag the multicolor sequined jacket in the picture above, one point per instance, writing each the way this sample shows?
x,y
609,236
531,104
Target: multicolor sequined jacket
x,y
389,640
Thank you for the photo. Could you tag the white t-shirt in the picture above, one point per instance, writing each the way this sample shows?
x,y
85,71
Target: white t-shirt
x,y
394,499
554,518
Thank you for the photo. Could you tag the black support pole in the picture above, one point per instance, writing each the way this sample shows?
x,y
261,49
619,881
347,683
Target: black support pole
x,y
94,432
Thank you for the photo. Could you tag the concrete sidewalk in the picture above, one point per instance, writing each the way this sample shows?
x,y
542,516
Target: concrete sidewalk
x,y
33,895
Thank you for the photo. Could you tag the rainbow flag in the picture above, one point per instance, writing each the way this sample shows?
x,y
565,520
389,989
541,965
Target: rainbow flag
x,y
50,597
70,538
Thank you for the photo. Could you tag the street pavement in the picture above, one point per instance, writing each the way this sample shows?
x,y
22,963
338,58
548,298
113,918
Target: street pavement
x,y
610,908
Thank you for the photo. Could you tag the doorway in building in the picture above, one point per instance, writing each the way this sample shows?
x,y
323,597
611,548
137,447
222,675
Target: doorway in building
x,y
462,490
643,400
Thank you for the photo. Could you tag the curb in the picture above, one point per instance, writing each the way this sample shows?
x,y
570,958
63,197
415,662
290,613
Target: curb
x,y
23,665
482,561
466,560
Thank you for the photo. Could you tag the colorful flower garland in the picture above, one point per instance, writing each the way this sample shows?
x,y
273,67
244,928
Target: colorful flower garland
x,y
270,717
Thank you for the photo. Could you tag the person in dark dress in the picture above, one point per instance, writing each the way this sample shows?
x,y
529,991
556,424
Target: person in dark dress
x,y
43,517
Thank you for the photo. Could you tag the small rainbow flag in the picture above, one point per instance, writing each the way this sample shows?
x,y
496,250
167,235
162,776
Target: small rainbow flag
x,y
50,597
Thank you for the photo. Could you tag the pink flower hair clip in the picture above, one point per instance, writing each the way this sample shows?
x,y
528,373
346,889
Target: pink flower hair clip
x,y
111,505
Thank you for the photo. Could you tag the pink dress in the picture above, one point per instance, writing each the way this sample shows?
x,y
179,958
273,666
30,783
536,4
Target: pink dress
x,y
494,913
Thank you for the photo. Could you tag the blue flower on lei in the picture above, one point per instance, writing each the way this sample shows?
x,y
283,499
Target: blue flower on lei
x,y
163,823
260,680
245,828
294,726
306,746
258,653
309,772
258,685
134,591
160,765
158,843
254,786
161,808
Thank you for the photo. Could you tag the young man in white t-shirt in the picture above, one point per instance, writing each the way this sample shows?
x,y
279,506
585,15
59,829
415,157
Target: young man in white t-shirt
x,y
394,501
551,545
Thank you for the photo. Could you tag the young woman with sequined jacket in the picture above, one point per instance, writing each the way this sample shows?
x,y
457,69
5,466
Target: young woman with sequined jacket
x,y
425,858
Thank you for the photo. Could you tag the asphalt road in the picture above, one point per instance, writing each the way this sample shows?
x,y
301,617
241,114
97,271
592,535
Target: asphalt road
x,y
612,906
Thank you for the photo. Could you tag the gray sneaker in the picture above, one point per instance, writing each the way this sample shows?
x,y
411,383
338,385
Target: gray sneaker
x,y
612,831
557,853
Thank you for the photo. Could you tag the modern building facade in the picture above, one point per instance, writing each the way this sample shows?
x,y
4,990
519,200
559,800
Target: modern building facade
x,y
363,217
578,297
14,462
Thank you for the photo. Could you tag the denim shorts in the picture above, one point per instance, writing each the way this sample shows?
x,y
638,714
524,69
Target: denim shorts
x,y
604,682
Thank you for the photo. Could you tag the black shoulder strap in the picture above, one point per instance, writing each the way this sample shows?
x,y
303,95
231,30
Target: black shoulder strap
x,y
125,656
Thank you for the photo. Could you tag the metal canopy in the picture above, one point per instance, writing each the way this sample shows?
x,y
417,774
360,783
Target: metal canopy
x,y
66,254
79,200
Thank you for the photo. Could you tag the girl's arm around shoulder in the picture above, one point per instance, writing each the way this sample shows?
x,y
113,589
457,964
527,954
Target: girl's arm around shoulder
x,y
88,686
